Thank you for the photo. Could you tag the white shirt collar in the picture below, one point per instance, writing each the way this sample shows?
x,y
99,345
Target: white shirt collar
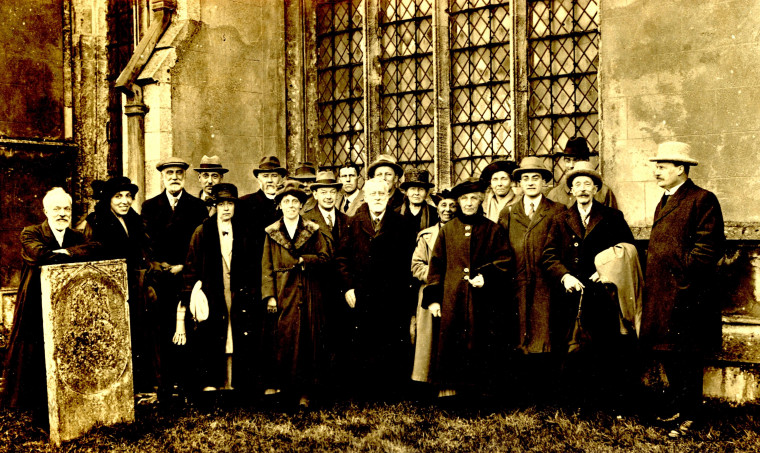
x,y
585,212
374,217
673,189
353,196
527,202
171,197
330,213
58,236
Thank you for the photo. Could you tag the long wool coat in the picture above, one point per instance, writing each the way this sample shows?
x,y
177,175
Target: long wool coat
x,y
298,333
24,368
423,346
571,248
204,263
532,291
376,266
472,319
170,230
687,241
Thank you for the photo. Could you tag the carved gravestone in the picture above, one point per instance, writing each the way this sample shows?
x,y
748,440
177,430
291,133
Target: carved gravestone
x,y
87,346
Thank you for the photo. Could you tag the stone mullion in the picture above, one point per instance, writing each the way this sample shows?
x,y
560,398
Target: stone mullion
x,y
442,95
518,50
372,80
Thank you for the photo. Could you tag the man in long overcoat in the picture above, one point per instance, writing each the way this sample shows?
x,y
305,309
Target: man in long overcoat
x,y
220,257
373,261
51,242
467,275
170,219
576,236
528,222
680,319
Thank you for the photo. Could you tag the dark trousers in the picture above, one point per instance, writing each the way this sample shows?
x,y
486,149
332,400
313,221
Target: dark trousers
x,y
683,394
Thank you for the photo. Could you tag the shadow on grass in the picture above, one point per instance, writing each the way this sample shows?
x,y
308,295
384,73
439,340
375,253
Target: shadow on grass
x,y
393,427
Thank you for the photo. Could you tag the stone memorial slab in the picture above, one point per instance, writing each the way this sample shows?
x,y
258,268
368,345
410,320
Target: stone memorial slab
x,y
88,354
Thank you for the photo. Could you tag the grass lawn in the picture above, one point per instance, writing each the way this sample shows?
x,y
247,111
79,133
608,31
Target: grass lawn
x,y
397,427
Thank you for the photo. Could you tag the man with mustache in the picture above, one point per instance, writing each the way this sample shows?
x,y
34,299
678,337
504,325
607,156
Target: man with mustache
x,y
170,219
577,235
258,210
51,242
210,173
576,151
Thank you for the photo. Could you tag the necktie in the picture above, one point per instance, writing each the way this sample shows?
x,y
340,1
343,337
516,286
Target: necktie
x,y
664,201
531,211
174,203
345,205
329,222
376,224
585,219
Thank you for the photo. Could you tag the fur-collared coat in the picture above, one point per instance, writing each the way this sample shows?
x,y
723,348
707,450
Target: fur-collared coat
x,y
24,368
297,336
532,291
204,263
471,327
686,243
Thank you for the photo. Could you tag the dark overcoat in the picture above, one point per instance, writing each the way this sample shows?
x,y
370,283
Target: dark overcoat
x,y
170,230
527,238
24,368
376,266
298,334
471,318
204,263
686,242
571,248
427,217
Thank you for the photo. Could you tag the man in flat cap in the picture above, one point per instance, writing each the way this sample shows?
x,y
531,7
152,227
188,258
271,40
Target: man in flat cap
x,y
577,150
350,197
498,178
577,235
416,208
170,219
210,173
680,319
387,168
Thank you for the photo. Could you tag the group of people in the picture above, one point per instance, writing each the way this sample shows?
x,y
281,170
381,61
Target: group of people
x,y
312,285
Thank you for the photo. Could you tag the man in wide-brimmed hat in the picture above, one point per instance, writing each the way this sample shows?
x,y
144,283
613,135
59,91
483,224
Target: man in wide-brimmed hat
x,y
577,150
499,194
577,235
259,209
210,172
528,222
416,208
680,320
386,166
467,277
350,196
331,221
170,219
373,262
306,174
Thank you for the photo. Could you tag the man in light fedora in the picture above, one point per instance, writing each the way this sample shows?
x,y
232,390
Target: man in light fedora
x,y
576,150
528,221
498,177
591,371
680,319
416,209
170,219
210,173
387,168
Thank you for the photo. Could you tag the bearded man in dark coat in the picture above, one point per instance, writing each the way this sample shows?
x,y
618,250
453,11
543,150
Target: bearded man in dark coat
x,y
576,237
51,242
373,261
170,219
467,275
528,221
680,319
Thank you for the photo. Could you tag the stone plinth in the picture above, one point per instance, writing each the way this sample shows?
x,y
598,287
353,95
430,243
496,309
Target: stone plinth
x,y
87,346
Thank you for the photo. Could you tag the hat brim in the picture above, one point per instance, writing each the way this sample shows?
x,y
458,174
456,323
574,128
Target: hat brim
x,y
335,185
596,177
675,160
467,187
220,170
281,171
304,178
425,185
298,193
163,167
396,168
494,167
576,155
547,174
220,199
108,193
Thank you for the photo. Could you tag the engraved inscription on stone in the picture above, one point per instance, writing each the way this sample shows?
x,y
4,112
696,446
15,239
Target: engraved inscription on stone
x,y
87,346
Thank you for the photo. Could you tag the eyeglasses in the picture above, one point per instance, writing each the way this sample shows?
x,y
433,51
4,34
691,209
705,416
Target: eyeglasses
x,y
583,185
